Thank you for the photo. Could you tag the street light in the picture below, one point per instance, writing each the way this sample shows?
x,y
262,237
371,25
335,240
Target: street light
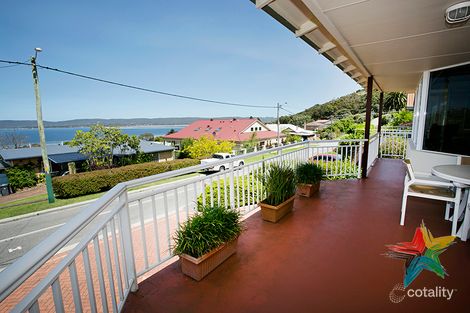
x,y
36,50
42,136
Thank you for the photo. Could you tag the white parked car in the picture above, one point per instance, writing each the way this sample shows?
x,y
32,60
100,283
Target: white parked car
x,y
221,167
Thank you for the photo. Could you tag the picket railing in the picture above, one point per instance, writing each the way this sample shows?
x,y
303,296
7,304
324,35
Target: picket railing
x,y
94,261
393,142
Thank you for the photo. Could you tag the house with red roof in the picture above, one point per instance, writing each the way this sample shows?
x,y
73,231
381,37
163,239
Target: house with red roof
x,y
238,130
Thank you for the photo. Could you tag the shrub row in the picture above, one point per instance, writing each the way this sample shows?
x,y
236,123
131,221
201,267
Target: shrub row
x,y
21,177
92,182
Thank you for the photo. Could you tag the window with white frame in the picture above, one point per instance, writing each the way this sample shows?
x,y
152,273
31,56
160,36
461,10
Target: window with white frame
x,y
447,121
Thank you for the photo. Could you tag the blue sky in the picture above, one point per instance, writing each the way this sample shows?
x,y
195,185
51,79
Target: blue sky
x,y
224,50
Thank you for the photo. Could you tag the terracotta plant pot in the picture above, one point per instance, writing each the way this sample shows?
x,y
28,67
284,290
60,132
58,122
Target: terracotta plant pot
x,y
198,268
307,190
272,213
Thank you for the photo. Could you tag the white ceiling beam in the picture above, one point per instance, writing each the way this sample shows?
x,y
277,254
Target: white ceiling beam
x,y
358,74
327,47
349,68
262,3
340,60
305,28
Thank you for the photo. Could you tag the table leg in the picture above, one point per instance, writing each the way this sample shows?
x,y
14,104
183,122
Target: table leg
x,y
463,231
455,218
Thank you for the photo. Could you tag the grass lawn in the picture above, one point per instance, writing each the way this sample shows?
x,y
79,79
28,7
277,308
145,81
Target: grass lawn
x,y
23,207
39,202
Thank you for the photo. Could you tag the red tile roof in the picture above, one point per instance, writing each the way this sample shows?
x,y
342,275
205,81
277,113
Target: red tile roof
x,y
227,129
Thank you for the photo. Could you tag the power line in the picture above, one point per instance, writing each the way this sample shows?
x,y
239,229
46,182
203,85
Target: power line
x,y
13,64
282,108
5,66
141,88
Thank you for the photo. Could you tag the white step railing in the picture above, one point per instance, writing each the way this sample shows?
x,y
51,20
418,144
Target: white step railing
x,y
393,142
94,261
373,151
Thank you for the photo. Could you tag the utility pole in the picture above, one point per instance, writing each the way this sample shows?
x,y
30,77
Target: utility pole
x,y
42,136
278,126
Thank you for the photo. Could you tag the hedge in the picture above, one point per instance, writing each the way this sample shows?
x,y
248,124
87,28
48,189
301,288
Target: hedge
x,y
21,177
101,180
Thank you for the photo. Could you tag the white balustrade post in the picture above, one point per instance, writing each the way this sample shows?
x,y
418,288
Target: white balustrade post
x,y
359,168
127,248
379,154
232,184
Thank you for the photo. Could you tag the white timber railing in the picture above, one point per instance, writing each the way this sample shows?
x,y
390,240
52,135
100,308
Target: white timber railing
x,y
93,261
393,142
373,151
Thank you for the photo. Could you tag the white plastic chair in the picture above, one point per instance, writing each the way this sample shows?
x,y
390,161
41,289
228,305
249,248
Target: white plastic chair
x,y
463,160
429,187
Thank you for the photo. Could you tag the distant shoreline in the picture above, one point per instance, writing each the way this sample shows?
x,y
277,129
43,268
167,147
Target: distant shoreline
x,y
118,126
161,122
61,134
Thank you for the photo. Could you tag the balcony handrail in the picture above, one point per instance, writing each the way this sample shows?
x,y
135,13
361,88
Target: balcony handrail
x,y
13,276
195,168
66,261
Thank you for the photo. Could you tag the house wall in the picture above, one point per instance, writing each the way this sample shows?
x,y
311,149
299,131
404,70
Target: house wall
x,y
423,161
165,156
256,127
36,163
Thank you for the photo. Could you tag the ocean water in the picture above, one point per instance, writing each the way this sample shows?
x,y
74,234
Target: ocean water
x,y
61,134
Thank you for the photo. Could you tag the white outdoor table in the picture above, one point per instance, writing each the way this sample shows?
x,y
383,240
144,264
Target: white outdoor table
x,y
459,175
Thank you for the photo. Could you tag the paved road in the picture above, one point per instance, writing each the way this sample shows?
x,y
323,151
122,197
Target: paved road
x,y
18,237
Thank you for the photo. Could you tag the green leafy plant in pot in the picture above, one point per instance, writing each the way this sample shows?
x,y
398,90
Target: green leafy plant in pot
x,y
207,239
279,185
308,177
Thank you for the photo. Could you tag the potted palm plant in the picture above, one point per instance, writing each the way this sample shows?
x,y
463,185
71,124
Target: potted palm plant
x,y
308,177
279,184
207,239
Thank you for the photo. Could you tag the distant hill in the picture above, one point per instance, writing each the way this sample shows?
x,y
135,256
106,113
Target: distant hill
x,y
110,122
351,104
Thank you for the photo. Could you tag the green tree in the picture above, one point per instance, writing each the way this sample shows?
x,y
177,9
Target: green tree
x,y
100,143
402,117
146,136
394,101
206,146
184,144
291,138
252,142
21,177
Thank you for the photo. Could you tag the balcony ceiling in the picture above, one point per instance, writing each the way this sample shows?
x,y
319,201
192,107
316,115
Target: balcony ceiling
x,y
395,41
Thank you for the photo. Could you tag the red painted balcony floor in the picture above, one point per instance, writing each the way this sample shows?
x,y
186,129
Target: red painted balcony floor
x,y
327,256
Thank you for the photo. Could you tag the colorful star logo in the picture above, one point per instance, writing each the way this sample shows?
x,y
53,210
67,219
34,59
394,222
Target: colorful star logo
x,y
422,253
